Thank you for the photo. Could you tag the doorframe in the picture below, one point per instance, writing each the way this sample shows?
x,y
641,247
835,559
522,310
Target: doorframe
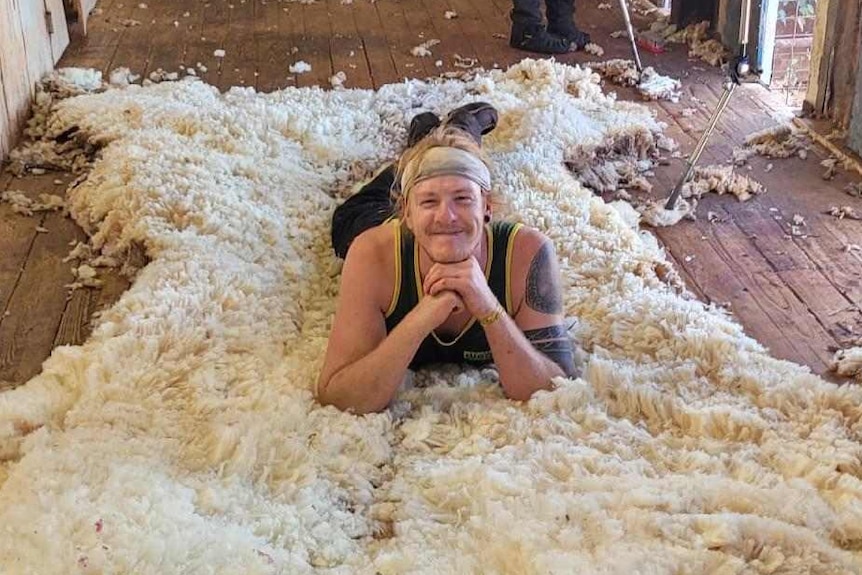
x,y
822,58
766,38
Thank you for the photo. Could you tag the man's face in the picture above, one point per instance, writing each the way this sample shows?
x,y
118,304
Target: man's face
x,y
446,215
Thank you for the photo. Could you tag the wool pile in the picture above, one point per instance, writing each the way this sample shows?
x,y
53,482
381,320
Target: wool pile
x,y
183,435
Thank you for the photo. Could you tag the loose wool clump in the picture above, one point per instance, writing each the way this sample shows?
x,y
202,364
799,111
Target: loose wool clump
x,y
848,362
721,179
183,437
650,84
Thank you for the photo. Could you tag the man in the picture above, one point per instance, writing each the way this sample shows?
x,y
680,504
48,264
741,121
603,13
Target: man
x,y
442,283
561,35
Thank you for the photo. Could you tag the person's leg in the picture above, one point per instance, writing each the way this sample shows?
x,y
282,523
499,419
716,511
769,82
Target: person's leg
x,y
370,206
373,203
561,22
528,32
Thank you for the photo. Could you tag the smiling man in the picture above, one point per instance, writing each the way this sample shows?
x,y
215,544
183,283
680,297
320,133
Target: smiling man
x,y
440,282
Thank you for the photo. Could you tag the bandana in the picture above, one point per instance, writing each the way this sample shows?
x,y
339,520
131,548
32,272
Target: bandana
x,y
445,161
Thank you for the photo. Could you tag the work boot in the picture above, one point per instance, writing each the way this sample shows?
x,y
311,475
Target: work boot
x,y
475,118
561,23
420,126
537,39
576,39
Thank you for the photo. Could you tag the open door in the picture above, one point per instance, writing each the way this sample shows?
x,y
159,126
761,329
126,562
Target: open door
x,y
787,39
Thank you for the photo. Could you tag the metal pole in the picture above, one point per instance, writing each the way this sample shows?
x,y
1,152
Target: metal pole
x,y
629,29
701,144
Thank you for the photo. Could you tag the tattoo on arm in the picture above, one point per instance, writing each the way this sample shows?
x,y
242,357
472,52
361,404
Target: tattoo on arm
x,y
554,343
543,285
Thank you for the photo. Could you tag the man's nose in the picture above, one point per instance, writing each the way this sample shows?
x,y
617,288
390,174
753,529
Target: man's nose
x,y
445,212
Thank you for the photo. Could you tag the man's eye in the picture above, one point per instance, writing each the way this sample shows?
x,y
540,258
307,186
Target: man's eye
x,y
464,199
427,203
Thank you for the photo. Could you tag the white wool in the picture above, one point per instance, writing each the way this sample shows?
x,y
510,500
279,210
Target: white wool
x,y
781,141
462,62
337,80
424,49
219,53
122,76
700,44
651,84
720,179
86,79
629,215
657,87
182,436
595,49
844,212
300,67
831,165
655,214
22,204
848,362
854,189
450,14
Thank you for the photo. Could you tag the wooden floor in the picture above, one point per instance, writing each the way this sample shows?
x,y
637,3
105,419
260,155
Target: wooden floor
x,y
799,295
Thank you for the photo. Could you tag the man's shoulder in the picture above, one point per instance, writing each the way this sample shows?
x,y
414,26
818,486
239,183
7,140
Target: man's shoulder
x,y
528,241
374,243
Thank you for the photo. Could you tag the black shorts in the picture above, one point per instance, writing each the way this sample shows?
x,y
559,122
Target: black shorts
x,y
369,207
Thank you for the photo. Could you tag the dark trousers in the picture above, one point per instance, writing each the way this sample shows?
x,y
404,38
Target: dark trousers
x,y
528,14
367,208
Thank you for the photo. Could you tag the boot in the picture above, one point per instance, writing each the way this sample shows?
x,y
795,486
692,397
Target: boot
x,y
537,39
561,23
475,118
420,126
528,32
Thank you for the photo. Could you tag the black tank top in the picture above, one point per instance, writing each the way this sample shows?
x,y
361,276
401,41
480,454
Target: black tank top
x,y
470,346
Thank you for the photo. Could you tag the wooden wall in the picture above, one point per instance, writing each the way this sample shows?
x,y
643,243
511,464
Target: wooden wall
x,y
834,61
33,36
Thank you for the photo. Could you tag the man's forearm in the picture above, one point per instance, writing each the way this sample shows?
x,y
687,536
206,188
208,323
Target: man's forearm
x,y
523,369
368,384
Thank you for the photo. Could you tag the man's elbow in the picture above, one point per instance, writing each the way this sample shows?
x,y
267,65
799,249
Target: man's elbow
x,y
325,395
525,393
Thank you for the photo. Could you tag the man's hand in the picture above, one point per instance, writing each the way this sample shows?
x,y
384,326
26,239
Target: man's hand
x,y
465,278
434,309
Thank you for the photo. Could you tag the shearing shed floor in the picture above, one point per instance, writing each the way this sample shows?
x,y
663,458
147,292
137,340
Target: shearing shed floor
x,y
179,434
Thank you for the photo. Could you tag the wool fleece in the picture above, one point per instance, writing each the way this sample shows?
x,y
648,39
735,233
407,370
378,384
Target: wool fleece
x,y
183,437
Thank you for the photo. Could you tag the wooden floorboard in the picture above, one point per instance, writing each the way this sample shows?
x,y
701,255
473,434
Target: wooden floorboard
x,y
378,55
345,46
33,312
799,295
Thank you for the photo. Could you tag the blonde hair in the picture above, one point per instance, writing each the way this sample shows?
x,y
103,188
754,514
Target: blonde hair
x,y
444,136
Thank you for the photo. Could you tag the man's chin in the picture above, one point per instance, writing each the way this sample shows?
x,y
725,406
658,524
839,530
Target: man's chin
x,y
449,256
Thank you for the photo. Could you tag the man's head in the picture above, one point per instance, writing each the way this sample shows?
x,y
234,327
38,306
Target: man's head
x,y
445,196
